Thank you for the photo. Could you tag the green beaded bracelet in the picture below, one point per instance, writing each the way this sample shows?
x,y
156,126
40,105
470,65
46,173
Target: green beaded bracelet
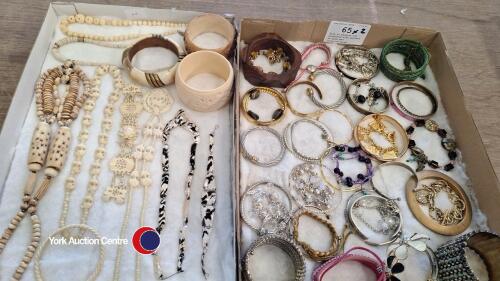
x,y
413,51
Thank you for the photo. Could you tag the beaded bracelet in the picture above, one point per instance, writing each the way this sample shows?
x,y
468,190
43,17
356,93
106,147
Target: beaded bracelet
x,y
413,51
349,61
290,145
402,110
256,160
419,155
286,245
374,263
357,100
316,255
340,154
253,94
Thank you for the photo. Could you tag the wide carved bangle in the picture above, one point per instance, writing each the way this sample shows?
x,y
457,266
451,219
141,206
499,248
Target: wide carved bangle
x,y
413,51
356,62
452,261
377,124
283,243
276,49
210,23
450,221
372,99
253,94
403,110
204,100
155,79
316,255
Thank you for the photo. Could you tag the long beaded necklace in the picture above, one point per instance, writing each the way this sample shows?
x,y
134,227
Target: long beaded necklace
x,y
89,20
100,151
180,120
50,108
208,199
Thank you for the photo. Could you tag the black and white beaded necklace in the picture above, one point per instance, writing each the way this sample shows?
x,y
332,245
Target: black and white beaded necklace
x,y
180,120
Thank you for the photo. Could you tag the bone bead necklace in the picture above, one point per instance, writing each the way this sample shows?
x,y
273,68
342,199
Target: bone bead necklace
x,y
45,150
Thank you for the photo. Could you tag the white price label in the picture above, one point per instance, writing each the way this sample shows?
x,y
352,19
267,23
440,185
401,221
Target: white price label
x,y
346,33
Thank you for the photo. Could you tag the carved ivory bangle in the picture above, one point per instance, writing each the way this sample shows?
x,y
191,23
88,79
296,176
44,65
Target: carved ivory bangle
x,y
209,23
160,77
204,62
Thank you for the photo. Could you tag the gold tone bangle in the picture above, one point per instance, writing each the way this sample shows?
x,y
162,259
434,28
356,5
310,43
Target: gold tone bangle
x,y
450,222
254,94
312,253
310,93
351,135
376,125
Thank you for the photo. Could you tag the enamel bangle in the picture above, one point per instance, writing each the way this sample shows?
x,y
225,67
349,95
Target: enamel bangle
x,y
155,79
210,23
403,110
199,98
254,94
258,160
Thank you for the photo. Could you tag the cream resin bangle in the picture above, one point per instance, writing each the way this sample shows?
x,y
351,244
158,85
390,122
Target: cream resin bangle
x,y
158,78
201,99
209,23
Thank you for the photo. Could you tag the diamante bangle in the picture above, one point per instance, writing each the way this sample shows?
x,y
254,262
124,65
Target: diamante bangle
x,y
419,156
257,160
254,94
402,110
372,99
348,62
413,51
283,243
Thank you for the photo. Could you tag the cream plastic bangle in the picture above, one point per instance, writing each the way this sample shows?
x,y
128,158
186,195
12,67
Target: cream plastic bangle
x,y
155,79
204,62
209,23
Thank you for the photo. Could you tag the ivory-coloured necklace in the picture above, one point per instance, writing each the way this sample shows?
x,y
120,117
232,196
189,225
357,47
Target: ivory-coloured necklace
x,y
45,151
100,152
180,120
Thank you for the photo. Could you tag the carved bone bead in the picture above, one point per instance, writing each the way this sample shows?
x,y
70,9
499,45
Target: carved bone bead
x,y
39,147
58,151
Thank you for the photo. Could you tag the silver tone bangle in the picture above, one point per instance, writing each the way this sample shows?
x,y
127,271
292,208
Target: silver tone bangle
x,y
379,168
256,160
314,72
82,228
309,190
347,62
391,223
289,144
452,262
272,212
400,252
285,244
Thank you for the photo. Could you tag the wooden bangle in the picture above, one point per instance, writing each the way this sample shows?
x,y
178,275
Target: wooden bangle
x,y
209,23
451,222
316,255
270,41
156,79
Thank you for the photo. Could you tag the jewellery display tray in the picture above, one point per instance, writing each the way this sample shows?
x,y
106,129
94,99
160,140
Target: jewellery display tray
x,y
227,244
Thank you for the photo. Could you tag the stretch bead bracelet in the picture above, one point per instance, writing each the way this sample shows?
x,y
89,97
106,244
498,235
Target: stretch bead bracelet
x,y
256,160
413,51
286,245
357,100
419,155
253,94
290,145
66,22
82,229
161,77
316,255
339,153
452,261
402,110
349,61
373,262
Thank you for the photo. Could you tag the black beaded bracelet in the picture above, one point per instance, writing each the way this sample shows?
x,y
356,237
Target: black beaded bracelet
x,y
419,155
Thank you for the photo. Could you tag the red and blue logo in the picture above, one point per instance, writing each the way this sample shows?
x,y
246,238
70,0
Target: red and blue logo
x,y
146,240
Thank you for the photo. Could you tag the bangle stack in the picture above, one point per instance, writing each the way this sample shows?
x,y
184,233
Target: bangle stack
x,y
413,51
256,160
